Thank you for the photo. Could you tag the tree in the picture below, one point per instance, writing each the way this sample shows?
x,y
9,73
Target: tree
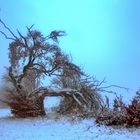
x,y
33,57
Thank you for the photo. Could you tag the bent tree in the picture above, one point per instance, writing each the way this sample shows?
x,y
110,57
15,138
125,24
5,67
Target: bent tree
x,y
34,57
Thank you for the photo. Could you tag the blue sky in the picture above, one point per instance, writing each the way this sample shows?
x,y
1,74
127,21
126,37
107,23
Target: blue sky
x,y
103,35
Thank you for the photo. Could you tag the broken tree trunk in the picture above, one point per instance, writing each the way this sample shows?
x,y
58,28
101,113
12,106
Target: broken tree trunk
x,y
33,104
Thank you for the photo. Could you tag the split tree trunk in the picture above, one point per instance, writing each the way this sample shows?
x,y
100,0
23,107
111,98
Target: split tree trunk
x,y
33,105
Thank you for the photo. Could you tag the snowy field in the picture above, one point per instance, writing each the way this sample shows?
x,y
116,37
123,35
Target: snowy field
x,y
52,128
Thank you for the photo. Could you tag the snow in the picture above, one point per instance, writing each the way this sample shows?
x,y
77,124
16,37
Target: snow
x,y
61,90
52,128
4,112
51,102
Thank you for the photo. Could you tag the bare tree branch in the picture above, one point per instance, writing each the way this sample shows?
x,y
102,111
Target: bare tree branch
x,y
116,86
10,38
15,37
29,28
25,41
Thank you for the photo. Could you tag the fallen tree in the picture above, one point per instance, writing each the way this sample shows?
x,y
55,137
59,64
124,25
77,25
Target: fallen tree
x,y
32,104
33,57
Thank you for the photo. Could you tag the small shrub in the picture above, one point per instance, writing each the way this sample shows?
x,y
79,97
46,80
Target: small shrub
x,y
133,112
121,114
115,116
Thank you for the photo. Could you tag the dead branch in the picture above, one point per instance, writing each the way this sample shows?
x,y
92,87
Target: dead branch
x,y
24,39
10,38
6,27
116,86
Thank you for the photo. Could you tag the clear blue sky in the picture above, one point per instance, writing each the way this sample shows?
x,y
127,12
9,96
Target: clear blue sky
x,y
103,35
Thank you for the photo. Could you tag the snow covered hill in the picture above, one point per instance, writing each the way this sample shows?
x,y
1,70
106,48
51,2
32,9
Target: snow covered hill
x,y
52,128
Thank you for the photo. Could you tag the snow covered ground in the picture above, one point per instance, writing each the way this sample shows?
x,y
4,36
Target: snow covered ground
x,y
51,128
